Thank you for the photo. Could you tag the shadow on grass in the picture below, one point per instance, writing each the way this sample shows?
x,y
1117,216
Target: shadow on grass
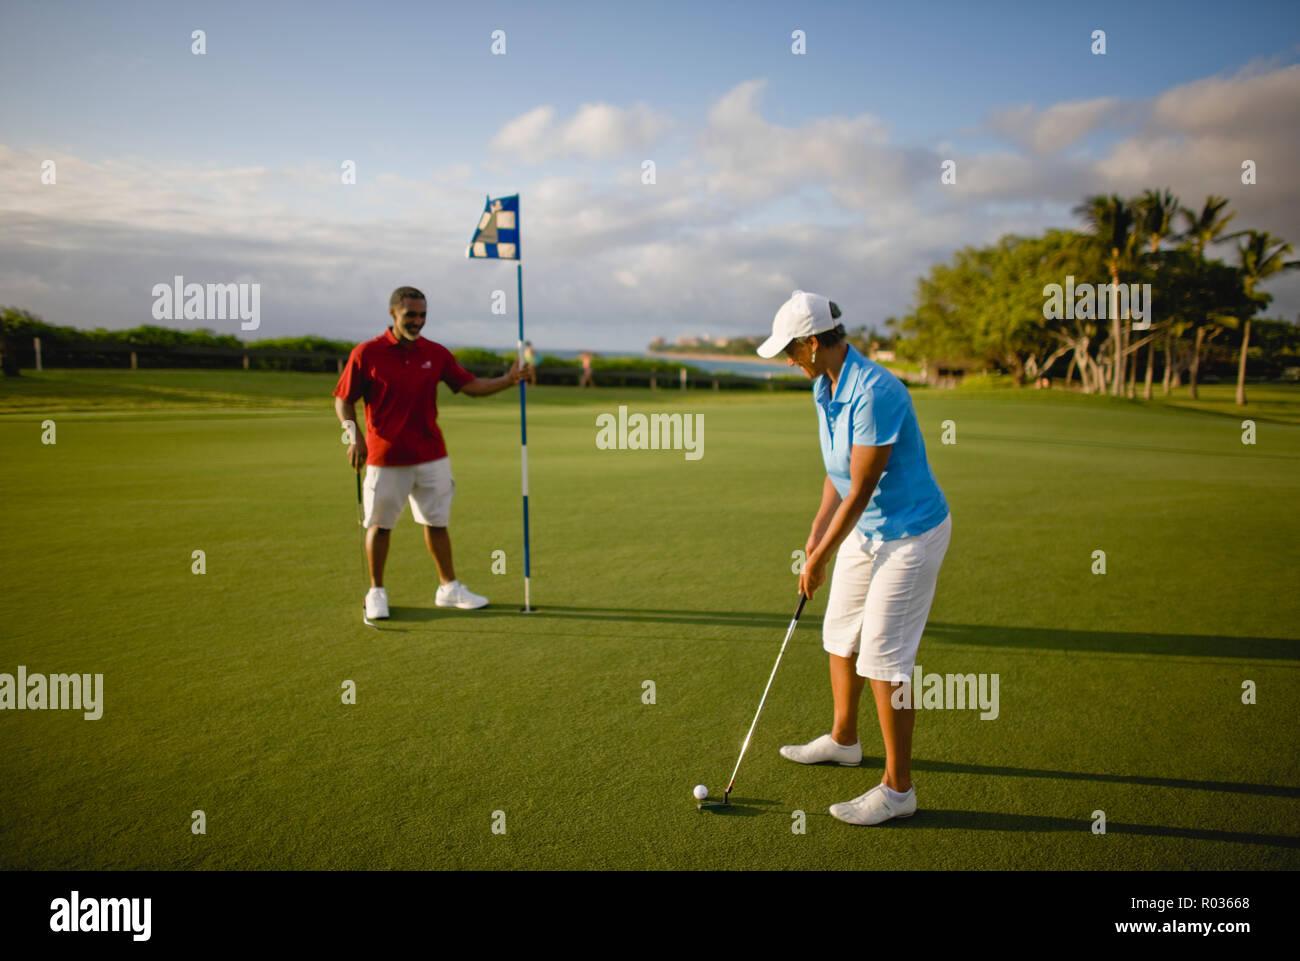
x,y
1121,642
739,807
1226,451
1232,787
975,635
621,615
996,821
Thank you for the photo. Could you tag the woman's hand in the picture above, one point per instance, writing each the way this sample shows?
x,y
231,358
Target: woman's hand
x,y
813,575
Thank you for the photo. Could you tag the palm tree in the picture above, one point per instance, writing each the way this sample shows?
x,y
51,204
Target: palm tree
x,y
1257,261
1206,228
1113,223
1157,211
1200,231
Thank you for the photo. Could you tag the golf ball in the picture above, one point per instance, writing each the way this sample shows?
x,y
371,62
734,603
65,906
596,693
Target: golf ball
x,y
701,792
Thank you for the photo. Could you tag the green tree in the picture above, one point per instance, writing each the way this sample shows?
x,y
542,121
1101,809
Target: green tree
x,y
1202,296
1113,225
1259,258
1157,211
1199,231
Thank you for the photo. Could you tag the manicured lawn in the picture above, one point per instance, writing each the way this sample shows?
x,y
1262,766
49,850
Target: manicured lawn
x,y
1119,692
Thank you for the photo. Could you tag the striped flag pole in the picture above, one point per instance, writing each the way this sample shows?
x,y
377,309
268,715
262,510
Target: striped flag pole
x,y
523,437
497,238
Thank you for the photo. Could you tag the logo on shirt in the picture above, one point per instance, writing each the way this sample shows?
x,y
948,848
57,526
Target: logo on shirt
x,y
427,364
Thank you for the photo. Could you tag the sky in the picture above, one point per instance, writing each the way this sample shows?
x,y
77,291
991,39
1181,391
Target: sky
x,y
773,170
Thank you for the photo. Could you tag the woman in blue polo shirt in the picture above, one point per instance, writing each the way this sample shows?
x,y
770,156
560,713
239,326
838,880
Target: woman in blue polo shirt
x,y
885,515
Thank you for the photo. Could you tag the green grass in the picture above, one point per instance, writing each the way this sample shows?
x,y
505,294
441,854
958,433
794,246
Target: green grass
x,y
1119,692
1274,402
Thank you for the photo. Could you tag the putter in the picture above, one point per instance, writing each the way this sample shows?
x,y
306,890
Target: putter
x,y
789,633
365,564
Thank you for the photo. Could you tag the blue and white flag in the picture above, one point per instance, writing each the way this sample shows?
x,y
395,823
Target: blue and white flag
x,y
497,236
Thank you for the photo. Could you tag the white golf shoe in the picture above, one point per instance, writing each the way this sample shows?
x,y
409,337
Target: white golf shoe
x,y
875,807
457,594
377,604
823,749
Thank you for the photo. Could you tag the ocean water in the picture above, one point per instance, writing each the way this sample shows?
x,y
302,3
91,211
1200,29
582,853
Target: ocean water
x,y
720,366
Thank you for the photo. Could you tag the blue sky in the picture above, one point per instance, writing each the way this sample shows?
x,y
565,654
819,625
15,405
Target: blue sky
x,y
773,171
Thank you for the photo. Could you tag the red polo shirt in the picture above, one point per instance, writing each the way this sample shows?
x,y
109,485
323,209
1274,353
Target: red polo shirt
x,y
400,388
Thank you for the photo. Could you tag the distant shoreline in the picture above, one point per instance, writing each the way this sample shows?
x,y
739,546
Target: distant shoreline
x,y
739,358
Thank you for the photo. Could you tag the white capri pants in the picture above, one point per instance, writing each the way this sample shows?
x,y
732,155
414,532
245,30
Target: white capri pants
x,y
879,600
428,486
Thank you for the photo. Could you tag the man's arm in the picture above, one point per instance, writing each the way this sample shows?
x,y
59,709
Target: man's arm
x,y
486,386
866,464
347,414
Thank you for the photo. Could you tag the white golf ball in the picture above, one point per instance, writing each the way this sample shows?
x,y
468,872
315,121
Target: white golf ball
x,y
701,792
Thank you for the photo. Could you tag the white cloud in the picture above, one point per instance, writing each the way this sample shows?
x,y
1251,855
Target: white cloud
x,y
753,160
597,131
526,133
753,209
1057,127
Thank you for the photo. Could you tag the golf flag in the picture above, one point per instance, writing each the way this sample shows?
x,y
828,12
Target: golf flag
x,y
497,236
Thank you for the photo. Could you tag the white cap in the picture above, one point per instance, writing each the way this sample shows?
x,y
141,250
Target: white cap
x,y
803,315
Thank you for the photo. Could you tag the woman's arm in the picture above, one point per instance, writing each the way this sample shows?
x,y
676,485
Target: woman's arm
x,y
866,464
830,502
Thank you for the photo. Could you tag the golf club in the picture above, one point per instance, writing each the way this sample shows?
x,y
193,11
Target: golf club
x,y
789,633
365,564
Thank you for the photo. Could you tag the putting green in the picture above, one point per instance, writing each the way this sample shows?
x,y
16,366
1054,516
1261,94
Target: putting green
x,y
571,738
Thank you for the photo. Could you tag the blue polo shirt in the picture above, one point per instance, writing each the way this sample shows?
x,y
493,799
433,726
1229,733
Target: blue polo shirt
x,y
871,408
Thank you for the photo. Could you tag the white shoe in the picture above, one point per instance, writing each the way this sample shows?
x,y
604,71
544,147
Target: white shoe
x,y
824,748
875,807
377,604
457,594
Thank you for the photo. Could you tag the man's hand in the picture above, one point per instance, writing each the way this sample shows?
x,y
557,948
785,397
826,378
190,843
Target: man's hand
x,y
486,387
526,372
357,455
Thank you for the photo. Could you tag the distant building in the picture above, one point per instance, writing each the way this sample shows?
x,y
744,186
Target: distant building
x,y
946,373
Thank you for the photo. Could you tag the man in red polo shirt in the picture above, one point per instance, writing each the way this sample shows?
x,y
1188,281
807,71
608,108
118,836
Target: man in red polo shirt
x,y
397,374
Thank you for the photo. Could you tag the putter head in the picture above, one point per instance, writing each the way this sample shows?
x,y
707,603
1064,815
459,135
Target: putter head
x,y
714,804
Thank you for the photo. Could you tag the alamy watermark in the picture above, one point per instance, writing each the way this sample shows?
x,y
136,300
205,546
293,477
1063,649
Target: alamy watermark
x,y
57,692
948,692
1089,302
76,914
181,301
636,431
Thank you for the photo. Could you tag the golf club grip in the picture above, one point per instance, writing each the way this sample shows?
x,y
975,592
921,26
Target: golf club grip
x,y
799,610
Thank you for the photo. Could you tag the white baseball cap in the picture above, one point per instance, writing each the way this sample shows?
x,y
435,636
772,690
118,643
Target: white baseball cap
x,y
803,315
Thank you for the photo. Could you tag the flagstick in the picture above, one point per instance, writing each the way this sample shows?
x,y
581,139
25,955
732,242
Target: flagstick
x,y
523,434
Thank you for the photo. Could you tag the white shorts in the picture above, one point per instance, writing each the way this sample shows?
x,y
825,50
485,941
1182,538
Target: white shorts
x,y
879,601
428,486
